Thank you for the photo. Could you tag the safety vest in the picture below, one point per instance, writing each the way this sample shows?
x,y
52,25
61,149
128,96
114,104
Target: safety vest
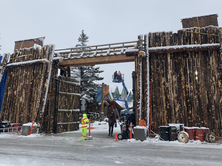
x,y
84,122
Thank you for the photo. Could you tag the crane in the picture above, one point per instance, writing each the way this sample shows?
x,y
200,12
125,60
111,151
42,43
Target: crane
x,y
120,79
124,114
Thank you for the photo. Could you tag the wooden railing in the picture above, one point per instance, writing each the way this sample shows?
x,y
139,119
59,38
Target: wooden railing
x,y
97,50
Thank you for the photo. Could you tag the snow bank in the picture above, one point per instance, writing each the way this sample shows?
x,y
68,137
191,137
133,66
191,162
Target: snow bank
x,y
100,132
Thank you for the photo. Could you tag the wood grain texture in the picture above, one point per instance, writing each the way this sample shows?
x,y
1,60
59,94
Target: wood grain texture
x,y
186,85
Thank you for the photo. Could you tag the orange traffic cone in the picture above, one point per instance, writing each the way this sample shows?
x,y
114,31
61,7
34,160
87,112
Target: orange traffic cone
x,y
116,138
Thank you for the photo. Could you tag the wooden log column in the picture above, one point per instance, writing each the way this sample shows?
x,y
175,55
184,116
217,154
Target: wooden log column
x,y
138,82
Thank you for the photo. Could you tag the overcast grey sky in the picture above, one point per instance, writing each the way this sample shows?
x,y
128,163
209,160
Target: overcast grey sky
x,y
61,22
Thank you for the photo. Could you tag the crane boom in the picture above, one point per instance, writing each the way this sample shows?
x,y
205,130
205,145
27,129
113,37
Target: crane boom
x,y
124,86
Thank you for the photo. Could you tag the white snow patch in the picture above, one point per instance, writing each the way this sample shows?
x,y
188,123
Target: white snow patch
x,y
32,136
57,58
122,104
184,46
29,124
131,50
140,127
28,62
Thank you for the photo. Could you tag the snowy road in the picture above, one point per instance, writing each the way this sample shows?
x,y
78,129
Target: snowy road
x,y
69,149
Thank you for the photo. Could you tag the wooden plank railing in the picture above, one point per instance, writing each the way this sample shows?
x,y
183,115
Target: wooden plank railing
x,y
97,50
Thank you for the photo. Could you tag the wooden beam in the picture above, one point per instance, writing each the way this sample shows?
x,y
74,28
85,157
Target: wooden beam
x,y
96,60
67,123
69,110
67,93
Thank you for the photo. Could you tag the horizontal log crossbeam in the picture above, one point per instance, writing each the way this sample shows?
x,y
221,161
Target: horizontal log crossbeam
x,y
70,110
68,123
67,93
97,60
123,52
69,82
99,54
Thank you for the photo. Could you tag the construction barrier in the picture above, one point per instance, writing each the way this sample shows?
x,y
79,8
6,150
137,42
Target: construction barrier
x,y
131,130
116,137
33,121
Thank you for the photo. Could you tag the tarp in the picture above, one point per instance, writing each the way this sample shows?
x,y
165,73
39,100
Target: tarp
x,y
99,93
2,89
2,86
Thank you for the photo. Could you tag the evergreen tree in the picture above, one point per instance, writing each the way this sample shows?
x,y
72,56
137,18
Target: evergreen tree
x,y
123,94
83,38
116,93
88,75
131,97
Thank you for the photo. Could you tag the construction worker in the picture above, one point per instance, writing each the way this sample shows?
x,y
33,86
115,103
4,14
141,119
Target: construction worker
x,y
119,76
84,122
115,75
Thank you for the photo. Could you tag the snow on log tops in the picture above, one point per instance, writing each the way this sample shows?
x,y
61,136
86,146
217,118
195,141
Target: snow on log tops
x,y
187,39
98,50
181,48
32,55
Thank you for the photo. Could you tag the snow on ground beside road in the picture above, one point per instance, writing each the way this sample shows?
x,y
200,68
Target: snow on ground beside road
x,y
177,143
100,129
44,147
16,135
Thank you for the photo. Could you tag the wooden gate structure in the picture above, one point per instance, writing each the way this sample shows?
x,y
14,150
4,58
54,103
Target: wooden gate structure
x,y
67,104
186,75
32,91
185,69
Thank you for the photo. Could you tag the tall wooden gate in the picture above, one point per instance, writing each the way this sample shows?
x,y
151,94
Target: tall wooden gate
x,y
67,104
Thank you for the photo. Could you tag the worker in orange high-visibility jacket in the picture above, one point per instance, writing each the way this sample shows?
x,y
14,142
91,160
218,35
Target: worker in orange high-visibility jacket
x,y
84,122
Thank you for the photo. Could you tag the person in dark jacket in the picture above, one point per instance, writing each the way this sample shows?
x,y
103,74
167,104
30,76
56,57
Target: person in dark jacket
x,y
131,118
115,75
112,120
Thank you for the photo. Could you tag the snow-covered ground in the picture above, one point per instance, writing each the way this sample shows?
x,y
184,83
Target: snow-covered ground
x,y
69,149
